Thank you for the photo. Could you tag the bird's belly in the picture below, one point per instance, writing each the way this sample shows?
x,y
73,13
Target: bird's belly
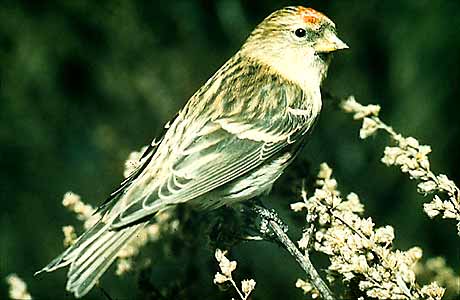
x,y
245,187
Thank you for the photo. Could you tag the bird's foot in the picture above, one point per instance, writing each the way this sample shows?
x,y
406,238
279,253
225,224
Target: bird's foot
x,y
260,218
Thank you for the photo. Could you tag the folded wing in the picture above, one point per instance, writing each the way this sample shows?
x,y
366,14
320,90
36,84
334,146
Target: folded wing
x,y
220,152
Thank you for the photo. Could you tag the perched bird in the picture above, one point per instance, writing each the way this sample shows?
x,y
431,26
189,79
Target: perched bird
x,y
230,142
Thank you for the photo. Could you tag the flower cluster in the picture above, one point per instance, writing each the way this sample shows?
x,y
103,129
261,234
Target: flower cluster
x,y
225,275
412,158
359,252
17,288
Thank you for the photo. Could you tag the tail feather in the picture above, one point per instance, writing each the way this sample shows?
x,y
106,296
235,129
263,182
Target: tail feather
x,y
87,254
91,256
79,281
84,274
70,254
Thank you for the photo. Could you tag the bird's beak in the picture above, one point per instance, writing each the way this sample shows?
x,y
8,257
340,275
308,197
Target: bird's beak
x,y
329,43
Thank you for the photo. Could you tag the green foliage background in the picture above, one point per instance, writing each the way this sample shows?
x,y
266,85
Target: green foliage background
x,y
83,83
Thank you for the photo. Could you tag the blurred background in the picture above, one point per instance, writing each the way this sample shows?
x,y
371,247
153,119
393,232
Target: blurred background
x,y
84,83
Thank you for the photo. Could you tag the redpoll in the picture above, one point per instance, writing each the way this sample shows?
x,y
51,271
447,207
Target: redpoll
x,y
230,142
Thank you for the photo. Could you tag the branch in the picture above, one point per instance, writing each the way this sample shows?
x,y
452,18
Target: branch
x,y
277,226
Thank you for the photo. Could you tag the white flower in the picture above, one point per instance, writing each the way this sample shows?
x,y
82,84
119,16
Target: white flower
x,y
445,183
417,173
330,184
430,210
361,111
324,219
70,199
414,254
411,142
360,264
424,150
298,206
17,287
85,212
153,231
219,278
325,172
407,163
247,286
352,204
351,105
422,157
433,291
391,154
449,209
304,241
367,226
123,266
427,186
321,194
424,163
384,235
69,235
304,285
368,128
365,285
434,207
226,266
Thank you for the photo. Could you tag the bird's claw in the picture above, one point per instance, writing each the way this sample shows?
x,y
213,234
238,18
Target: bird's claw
x,y
262,217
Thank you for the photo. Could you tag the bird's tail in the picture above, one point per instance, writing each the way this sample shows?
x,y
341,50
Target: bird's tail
x,y
91,255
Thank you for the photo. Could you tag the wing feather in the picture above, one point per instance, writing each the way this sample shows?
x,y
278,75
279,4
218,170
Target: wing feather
x,y
207,164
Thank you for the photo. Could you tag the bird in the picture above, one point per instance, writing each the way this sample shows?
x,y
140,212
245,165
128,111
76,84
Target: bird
x,y
229,143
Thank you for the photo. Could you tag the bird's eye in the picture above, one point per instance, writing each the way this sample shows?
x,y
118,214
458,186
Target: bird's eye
x,y
300,32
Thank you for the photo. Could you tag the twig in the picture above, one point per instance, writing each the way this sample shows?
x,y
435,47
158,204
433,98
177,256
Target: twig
x,y
277,226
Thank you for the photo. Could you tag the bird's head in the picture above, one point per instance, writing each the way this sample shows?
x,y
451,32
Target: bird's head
x,y
296,42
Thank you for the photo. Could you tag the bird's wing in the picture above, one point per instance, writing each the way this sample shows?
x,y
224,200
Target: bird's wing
x,y
223,150
239,134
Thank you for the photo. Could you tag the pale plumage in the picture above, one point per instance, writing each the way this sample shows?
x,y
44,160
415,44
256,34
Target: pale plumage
x,y
230,142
